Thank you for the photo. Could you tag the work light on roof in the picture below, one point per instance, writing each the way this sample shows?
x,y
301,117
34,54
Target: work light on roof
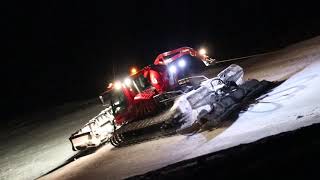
x,y
181,63
202,51
172,69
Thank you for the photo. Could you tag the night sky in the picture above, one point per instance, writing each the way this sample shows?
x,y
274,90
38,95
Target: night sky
x,y
62,51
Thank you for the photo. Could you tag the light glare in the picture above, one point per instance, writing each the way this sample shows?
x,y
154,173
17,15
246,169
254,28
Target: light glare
x,y
202,51
127,81
182,63
117,85
133,71
173,69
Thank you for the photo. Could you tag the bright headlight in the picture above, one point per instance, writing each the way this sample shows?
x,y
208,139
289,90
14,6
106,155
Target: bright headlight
x,y
127,81
133,71
117,85
182,63
172,69
202,52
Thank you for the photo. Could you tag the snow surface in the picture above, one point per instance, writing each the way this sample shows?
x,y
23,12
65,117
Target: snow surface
x,y
31,150
292,105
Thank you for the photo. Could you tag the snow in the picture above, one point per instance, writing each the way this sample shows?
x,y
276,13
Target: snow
x,y
34,149
30,150
292,105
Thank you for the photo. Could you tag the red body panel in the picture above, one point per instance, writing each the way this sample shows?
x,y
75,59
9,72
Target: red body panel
x,y
141,103
168,57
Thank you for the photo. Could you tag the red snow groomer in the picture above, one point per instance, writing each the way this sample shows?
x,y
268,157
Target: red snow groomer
x,y
140,100
138,107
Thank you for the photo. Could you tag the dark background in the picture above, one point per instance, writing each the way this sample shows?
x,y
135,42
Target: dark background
x,y
61,51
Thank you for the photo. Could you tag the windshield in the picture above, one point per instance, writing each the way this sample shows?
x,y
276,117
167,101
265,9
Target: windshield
x,y
141,83
118,102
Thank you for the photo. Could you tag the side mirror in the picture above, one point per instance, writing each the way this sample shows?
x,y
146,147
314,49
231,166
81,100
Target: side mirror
x,y
104,102
101,100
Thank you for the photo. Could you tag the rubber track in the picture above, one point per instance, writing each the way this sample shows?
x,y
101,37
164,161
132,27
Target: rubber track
x,y
127,133
148,137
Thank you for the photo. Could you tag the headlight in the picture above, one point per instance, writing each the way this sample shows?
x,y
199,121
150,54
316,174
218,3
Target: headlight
x,y
172,69
182,63
117,85
202,52
127,81
133,71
